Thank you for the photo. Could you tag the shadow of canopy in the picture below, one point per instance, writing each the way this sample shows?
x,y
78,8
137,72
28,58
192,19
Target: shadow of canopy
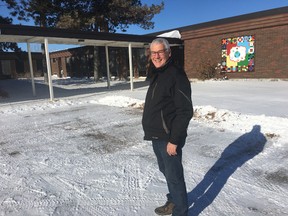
x,y
12,91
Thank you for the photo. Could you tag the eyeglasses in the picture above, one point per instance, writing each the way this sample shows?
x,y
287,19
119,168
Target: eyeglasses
x,y
160,52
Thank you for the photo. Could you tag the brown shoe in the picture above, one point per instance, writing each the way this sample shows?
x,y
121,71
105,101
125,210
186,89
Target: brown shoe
x,y
166,209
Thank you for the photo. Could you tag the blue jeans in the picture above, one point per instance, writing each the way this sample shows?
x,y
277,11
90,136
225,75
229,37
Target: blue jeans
x,y
171,167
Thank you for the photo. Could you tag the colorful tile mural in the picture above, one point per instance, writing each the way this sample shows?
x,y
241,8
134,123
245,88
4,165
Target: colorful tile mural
x,y
238,54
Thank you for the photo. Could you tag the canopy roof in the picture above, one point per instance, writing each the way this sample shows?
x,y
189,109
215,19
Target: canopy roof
x,y
32,34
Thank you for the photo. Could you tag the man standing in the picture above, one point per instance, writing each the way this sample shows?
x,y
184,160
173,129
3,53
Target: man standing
x,y
167,112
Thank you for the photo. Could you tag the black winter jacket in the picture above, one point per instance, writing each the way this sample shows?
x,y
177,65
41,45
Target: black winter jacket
x,y
168,106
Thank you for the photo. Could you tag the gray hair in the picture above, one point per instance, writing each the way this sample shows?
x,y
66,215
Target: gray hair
x,y
161,41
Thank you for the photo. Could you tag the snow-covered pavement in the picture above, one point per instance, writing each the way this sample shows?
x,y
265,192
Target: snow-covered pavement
x,y
84,154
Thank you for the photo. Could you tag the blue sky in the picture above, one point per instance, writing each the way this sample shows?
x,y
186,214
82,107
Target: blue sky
x,y
179,13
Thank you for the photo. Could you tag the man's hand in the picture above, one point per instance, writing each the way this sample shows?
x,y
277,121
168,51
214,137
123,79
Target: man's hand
x,y
171,149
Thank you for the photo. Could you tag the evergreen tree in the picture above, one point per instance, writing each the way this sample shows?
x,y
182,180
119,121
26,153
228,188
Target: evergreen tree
x,y
7,46
108,15
93,15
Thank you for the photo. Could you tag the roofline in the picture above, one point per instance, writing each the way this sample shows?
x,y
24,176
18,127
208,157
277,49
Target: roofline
x,y
33,31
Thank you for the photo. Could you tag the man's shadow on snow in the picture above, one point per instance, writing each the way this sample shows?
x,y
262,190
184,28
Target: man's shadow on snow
x,y
235,155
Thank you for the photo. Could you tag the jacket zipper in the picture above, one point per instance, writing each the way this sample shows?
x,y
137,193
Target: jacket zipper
x,y
164,124
153,92
185,96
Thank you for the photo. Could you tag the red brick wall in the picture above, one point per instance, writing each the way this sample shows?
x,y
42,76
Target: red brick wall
x,y
271,46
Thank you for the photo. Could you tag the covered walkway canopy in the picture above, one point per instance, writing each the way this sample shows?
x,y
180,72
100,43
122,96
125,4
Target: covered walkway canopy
x,y
32,34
